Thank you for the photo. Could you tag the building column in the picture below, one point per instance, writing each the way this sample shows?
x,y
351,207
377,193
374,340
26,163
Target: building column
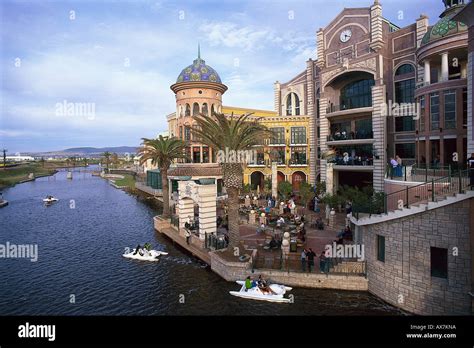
x,y
379,125
207,209
427,73
444,67
324,125
200,154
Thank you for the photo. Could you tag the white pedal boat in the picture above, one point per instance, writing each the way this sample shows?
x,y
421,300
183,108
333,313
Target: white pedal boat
x,y
151,255
50,200
256,294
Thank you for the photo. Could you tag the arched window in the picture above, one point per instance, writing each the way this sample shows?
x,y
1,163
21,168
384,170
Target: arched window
x,y
188,110
404,69
181,111
292,104
195,109
204,109
212,110
181,132
357,94
219,109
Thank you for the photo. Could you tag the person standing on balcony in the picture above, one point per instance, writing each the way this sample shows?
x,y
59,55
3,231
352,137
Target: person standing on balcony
x,y
399,166
470,166
394,165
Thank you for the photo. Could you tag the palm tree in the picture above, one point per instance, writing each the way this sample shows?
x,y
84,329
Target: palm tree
x,y
223,133
85,161
162,151
107,155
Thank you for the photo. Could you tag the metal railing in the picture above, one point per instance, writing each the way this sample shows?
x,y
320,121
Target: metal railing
x,y
213,242
348,106
337,136
430,191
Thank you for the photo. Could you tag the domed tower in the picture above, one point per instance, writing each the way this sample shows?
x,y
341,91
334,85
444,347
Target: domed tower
x,y
198,89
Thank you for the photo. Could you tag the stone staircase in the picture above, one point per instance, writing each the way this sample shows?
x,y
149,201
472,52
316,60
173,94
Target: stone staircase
x,y
418,207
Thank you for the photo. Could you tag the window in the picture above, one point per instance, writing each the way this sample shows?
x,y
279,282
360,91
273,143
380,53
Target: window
x,y
195,109
292,104
439,262
404,124
450,109
187,133
357,94
434,110
433,75
298,135
205,111
181,132
405,91
278,137
363,129
298,155
422,113
205,154
188,110
381,248
260,157
464,108
196,155
405,150
318,132
404,69
340,130
194,135
317,108
277,154
212,110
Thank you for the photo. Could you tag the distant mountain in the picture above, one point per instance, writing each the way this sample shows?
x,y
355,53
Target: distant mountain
x,y
96,150
88,151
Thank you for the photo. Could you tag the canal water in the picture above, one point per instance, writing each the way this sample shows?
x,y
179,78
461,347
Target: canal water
x,y
80,269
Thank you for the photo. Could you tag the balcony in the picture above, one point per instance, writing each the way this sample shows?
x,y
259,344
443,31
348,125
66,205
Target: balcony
x,y
422,88
342,110
361,136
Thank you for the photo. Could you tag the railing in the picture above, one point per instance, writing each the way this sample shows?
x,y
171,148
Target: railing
x,y
363,161
213,242
335,108
175,220
350,136
421,172
430,191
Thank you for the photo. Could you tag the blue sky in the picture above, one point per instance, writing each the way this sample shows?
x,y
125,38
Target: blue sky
x,y
122,56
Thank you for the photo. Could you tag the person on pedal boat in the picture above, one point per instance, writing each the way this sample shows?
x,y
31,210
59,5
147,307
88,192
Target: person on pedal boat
x,y
138,250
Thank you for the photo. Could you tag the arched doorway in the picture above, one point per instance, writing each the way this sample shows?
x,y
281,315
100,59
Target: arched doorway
x,y
297,179
280,177
257,179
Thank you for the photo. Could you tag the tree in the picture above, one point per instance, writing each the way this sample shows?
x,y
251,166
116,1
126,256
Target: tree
x,y
42,161
4,158
306,193
85,161
106,155
284,189
162,152
115,160
230,134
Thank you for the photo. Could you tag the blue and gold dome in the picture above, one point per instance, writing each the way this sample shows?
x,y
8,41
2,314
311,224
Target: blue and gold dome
x,y
198,71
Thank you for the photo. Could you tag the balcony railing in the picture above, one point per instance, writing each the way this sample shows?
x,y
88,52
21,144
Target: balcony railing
x,y
294,162
353,161
342,107
359,134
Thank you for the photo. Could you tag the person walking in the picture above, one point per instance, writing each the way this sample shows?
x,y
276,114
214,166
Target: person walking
x,y
310,257
303,260
399,166
470,167
328,213
323,262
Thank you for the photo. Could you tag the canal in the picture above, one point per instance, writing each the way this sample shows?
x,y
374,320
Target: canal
x,y
80,269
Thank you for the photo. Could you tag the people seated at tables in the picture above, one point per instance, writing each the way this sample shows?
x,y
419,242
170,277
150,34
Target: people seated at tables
x,y
319,223
261,228
280,221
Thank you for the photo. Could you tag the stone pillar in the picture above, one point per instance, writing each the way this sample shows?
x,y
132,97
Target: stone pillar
x,y
376,22
207,209
247,201
421,29
186,209
427,72
324,129
277,97
274,180
252,219
313,148
444,67
320,44
470,95
379,125
332,218
282,207
329,176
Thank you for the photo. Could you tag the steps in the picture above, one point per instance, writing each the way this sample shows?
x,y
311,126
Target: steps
x,y
415,208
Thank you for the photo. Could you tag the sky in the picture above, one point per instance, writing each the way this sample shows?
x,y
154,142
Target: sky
x,y
97,73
